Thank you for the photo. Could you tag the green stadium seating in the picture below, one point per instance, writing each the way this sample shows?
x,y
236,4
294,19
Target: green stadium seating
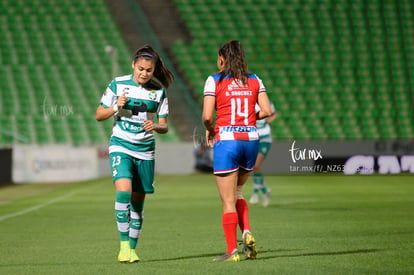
x,y
55,69
335,69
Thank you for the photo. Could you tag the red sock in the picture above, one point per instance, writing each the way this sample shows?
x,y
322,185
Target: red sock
x,y
243,214
229,221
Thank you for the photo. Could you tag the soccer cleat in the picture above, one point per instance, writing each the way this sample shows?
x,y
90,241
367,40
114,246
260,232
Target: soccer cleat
x,y
254,199
265,198
233,257
133,256
124,252
249,246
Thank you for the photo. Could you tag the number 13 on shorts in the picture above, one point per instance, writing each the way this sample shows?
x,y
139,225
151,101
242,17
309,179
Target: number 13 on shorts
x,y
116,160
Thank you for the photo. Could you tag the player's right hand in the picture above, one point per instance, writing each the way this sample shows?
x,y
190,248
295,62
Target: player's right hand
x,y
122,100
210,137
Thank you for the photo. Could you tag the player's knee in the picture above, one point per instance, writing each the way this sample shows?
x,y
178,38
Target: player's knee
x,y
239,192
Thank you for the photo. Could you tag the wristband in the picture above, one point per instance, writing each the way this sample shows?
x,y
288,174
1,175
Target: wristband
x,y
116,109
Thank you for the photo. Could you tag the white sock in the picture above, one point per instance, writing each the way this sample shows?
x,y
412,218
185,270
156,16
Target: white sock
x,y
244,233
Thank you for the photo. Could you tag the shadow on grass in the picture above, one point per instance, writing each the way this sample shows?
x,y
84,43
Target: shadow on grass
x,y
263,254
212,255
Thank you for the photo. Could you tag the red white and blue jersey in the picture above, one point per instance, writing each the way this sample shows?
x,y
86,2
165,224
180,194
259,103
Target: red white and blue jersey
x,y
235,106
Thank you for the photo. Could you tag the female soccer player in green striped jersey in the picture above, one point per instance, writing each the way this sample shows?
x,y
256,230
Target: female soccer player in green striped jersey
x,y
265,142
133,100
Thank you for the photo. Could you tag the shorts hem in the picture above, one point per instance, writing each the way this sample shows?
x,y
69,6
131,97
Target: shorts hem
x,y
121,178
247,169
220,172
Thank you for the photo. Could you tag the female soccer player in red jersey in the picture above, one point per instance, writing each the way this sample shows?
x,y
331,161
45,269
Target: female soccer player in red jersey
x,y
234,92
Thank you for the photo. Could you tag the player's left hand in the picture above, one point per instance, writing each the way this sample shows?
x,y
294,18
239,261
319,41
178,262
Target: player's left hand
x,y
148,125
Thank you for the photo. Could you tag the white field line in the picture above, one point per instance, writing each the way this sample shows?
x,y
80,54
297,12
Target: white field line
x,y
41,205
36,207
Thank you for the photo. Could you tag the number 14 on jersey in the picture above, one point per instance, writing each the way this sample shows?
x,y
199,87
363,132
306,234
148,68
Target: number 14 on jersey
x,y
238,110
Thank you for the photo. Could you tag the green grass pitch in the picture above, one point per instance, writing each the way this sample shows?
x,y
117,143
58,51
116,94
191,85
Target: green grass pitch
x,y
321,224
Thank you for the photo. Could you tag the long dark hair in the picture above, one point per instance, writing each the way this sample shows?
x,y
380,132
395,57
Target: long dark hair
x,y
161,72
235,61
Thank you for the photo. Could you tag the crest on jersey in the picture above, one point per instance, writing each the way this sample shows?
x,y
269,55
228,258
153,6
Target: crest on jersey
x,y
152,95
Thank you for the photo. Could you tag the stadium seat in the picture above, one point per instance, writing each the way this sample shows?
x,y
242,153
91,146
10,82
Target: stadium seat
x,y
340,60
55,70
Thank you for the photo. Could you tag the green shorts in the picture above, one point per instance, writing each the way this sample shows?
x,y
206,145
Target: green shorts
x,y
264,148
140,172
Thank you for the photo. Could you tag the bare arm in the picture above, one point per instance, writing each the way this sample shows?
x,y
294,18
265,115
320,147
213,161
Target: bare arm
x,y
265,109
103,113
208,112
272,117
161,127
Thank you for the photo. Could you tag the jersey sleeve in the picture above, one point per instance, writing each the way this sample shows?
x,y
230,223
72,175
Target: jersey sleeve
x,y
163,106
257,108
272,107
261,85
109,97
210,87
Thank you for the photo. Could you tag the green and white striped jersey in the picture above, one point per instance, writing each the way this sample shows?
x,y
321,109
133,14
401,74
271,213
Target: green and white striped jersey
x,y
265,134
128,135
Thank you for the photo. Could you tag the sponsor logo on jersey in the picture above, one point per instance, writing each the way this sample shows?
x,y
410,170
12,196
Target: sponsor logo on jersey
x,y
238,129
131,127
236,84
138,106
